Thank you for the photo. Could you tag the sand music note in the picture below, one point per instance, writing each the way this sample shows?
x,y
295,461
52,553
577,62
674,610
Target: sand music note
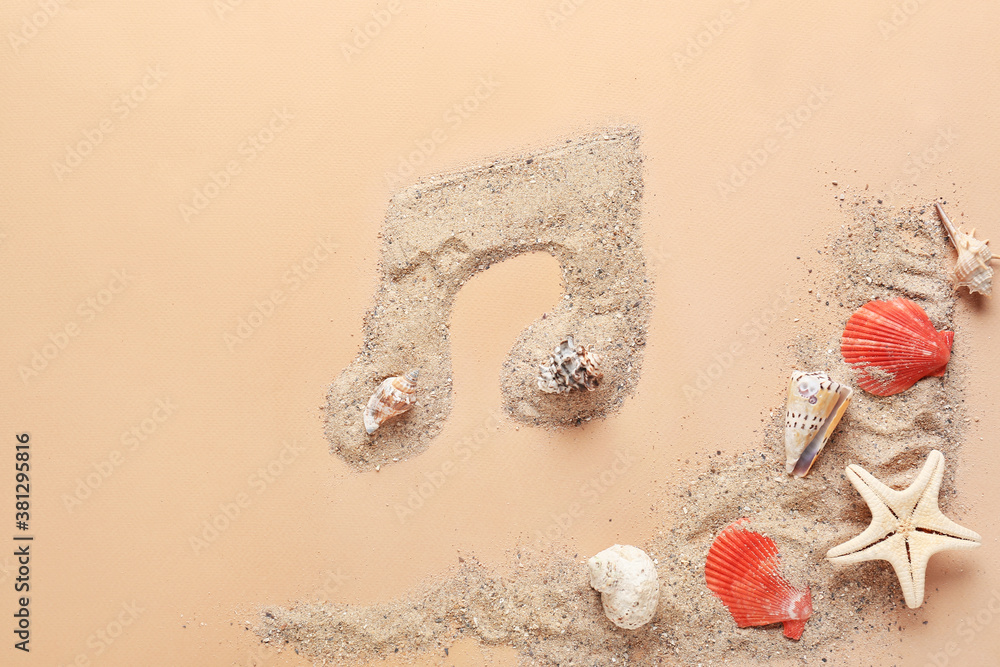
x,y
579,201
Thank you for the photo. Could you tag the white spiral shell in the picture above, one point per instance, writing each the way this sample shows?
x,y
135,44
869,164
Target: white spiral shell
x,y
626,579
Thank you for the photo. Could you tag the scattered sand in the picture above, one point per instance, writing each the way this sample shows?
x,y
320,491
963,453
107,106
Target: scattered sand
x,y
579,202
547,610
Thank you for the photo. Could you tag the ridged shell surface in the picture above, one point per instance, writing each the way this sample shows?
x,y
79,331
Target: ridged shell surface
x,y
570,367
626,579
815,406
393,397
972,269
892,344
743,569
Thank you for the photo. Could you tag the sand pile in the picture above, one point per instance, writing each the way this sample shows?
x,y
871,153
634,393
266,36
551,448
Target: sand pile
x,y
880,253
579,202
547,609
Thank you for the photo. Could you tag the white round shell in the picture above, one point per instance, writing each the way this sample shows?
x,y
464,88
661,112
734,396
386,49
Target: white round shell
x,y
626,578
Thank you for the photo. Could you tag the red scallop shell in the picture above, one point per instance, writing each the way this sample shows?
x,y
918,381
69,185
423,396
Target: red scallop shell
x,y
892,344
743,570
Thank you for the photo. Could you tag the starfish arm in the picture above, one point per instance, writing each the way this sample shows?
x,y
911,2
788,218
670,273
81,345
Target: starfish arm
x,y
883,522
928,482
927,516
927,519
925,545
911,579
897,553
879,549
924,488
922,547
893,550
849,551
882,501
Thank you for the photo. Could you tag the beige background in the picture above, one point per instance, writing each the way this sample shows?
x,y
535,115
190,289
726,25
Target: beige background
x,y
911,115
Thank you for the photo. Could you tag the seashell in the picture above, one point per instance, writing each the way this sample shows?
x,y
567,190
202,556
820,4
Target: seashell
x,y
742,569
815,405
393,397
626,579
570,367
893,344
973,268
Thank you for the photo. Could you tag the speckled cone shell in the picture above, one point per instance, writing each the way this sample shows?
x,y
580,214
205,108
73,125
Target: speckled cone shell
x,y
570,367
973,268
626,579
815,405
743,569
393,397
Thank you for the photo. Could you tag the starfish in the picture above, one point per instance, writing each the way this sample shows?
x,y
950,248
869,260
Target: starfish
x,y
907,527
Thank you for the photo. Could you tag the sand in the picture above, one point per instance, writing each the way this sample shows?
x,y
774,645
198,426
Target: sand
x,y
580,202
543,605
239,317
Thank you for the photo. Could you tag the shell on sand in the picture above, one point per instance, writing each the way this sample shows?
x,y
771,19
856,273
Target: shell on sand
x,y
625,576
393,397
892,344
973,268
743,569
815,405
570,367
